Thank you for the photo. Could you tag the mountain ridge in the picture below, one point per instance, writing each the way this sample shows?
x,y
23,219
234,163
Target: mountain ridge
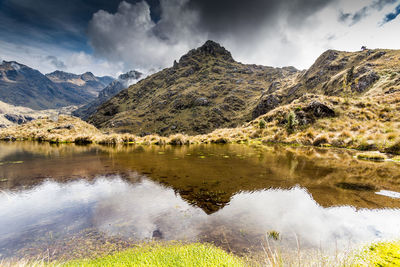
x,y
21,85
206,90
86,82
123,81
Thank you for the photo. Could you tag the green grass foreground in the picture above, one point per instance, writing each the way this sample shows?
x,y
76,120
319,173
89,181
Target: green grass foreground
x,y
167,255
379,254
196,254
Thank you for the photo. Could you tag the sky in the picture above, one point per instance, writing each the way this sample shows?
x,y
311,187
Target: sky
x,y
109,37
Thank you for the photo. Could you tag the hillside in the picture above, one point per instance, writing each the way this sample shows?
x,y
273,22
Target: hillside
x,y
14,115
204,91
207,90
27,87
86,83
123,81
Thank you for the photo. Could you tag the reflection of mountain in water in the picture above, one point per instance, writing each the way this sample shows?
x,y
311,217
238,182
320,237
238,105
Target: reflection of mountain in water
x,y
142,209
208,176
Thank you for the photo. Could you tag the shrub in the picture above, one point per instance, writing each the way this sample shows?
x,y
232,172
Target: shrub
x,y
291,122
273,235
350,75
262,124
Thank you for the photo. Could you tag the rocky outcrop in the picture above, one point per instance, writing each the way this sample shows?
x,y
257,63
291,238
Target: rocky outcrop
x,y
313,111
209,49
266,104
365,81
18,119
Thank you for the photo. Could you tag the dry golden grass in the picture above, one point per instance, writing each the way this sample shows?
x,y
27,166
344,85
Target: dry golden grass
x,y
350,128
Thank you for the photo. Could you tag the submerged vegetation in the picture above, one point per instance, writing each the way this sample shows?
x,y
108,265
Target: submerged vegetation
x,y
374,156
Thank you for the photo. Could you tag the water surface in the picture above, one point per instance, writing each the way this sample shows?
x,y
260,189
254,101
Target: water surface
x,y
70,201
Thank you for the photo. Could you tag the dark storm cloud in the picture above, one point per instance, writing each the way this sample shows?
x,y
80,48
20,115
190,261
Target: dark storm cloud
x,y
238,16
353,18
62,22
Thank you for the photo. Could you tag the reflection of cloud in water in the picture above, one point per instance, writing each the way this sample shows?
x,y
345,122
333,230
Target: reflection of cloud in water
x,y
294,211
140,209
147,207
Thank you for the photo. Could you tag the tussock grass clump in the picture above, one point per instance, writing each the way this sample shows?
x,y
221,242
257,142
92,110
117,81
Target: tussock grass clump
x,y
321,139
178,140
394,149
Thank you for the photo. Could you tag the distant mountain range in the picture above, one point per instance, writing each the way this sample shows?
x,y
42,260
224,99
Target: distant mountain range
x,y
21,85
86,82
123,81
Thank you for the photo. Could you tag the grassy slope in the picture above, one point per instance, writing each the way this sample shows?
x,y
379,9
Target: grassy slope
x,y
165,103
203,92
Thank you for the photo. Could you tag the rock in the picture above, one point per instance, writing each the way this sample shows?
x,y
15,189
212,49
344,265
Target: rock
x,y
365,82
377,55
315,110
201,101
265,104
67,127
319,110
273,87
157,234
210,48
19,119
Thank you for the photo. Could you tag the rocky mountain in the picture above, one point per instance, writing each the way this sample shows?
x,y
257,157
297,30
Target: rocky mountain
x,y
86,82
123,81
337,73
207,90
24,86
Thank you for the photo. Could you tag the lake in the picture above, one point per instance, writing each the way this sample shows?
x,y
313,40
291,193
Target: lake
x,y
67,201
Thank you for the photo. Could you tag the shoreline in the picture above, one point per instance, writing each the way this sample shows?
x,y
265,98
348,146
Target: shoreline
x,y
175,253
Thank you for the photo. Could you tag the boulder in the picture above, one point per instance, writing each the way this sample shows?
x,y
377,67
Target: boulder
x,y
19,119
265,104
364,82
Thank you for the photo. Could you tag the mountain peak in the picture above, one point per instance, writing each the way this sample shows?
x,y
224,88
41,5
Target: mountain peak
x,y
88,76
133,74
213,48
208,49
